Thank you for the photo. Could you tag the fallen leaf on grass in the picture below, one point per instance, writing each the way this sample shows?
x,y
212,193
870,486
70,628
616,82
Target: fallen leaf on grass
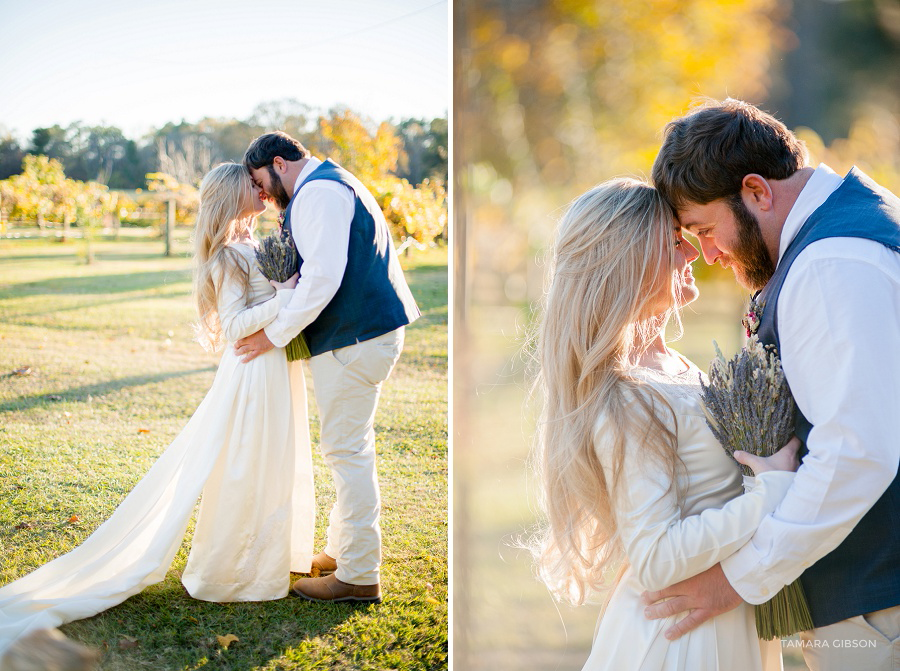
x,y
227,640
25,370
74,519
54,397
143,430
431,599
128,643
24,525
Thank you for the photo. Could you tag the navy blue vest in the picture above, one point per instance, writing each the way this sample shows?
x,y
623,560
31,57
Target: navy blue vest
x,y
862,574
373,298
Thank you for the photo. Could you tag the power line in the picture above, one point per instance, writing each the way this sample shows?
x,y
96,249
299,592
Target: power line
x,y
361,30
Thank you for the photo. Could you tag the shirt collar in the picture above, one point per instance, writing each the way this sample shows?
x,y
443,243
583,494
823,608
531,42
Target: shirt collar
x,y
311,164
823,182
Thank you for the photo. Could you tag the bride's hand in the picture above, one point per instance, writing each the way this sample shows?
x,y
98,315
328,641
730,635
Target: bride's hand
x,y
289,283
784,459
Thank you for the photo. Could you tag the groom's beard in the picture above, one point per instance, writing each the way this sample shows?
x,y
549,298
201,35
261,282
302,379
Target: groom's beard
x,y
276,191
752,265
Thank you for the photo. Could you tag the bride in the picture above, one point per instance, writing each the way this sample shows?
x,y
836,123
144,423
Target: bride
x,y
631,477
246,448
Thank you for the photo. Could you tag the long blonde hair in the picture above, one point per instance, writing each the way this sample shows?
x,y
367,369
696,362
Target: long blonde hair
x,y
223,195
612,266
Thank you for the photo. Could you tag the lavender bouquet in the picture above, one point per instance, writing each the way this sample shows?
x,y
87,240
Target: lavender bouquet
x,y
277,260
749,407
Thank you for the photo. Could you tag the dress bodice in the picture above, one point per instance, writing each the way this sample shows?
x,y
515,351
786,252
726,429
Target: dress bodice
x,y
243,312
669,534
710,477
259,290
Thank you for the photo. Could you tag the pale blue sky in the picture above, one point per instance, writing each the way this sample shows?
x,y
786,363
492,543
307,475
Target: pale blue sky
x,y
141,64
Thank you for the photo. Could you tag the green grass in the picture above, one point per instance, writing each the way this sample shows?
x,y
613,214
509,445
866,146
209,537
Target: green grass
x,y
114,377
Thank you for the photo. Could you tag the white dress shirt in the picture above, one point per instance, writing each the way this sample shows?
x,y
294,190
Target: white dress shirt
x,y
839,331
320,225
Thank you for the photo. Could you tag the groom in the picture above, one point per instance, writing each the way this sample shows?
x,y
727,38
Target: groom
x,y
825,252
352,303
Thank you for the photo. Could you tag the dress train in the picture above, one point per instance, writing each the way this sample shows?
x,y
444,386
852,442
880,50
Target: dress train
x,y
247,449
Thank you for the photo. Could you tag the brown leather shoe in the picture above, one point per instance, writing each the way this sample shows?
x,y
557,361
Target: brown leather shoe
x,y
329,589
322,565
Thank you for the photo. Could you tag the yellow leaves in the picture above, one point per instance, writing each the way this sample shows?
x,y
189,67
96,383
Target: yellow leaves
x,y
161,181
43,190
366,152
418,212
227,640
514,53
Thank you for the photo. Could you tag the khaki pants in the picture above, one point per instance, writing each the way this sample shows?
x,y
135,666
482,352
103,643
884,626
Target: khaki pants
x,y
868,642
347,383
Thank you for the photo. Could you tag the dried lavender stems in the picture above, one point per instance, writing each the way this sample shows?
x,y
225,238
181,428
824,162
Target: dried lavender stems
x,y
277,260
748,403
749,407
276,256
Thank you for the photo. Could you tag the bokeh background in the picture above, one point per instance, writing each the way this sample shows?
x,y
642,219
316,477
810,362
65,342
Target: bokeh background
x,y
550,98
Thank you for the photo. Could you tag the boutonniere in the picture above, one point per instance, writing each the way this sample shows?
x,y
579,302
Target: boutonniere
x,y
281,219
752,318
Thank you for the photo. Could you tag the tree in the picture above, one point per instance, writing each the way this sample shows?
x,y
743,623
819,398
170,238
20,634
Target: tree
x,y
11,155
372,153
52,142
424,149
288,115
367,150
565,92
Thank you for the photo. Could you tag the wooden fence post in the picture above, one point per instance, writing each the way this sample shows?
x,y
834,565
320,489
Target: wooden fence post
x,y
170,225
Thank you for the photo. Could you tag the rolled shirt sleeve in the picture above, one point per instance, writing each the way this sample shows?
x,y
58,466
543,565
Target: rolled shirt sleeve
x,y
839,332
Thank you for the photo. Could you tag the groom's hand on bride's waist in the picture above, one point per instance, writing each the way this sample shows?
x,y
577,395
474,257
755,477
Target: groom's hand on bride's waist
x,y
252,346
705,595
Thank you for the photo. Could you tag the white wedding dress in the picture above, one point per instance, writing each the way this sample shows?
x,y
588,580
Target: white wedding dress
x,y
246,448
665,543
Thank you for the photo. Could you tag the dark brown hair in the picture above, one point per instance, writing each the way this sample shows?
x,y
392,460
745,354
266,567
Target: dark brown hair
x,y
263,150
706,154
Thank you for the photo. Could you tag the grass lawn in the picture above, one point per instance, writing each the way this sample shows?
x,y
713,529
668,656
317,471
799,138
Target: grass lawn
x,y
114,375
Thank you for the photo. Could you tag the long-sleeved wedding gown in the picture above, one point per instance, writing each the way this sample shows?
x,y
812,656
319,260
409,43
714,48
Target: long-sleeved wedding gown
x,y
246,448
666,543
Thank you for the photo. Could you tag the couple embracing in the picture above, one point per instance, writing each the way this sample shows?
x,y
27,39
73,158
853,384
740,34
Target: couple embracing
x,y
633,478
247,447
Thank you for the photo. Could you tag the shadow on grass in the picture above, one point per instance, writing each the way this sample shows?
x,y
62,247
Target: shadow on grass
x,y
170,630
95,390
71,253
98,284
13,316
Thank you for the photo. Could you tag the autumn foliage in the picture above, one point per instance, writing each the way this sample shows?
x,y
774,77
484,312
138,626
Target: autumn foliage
x,y
373,152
